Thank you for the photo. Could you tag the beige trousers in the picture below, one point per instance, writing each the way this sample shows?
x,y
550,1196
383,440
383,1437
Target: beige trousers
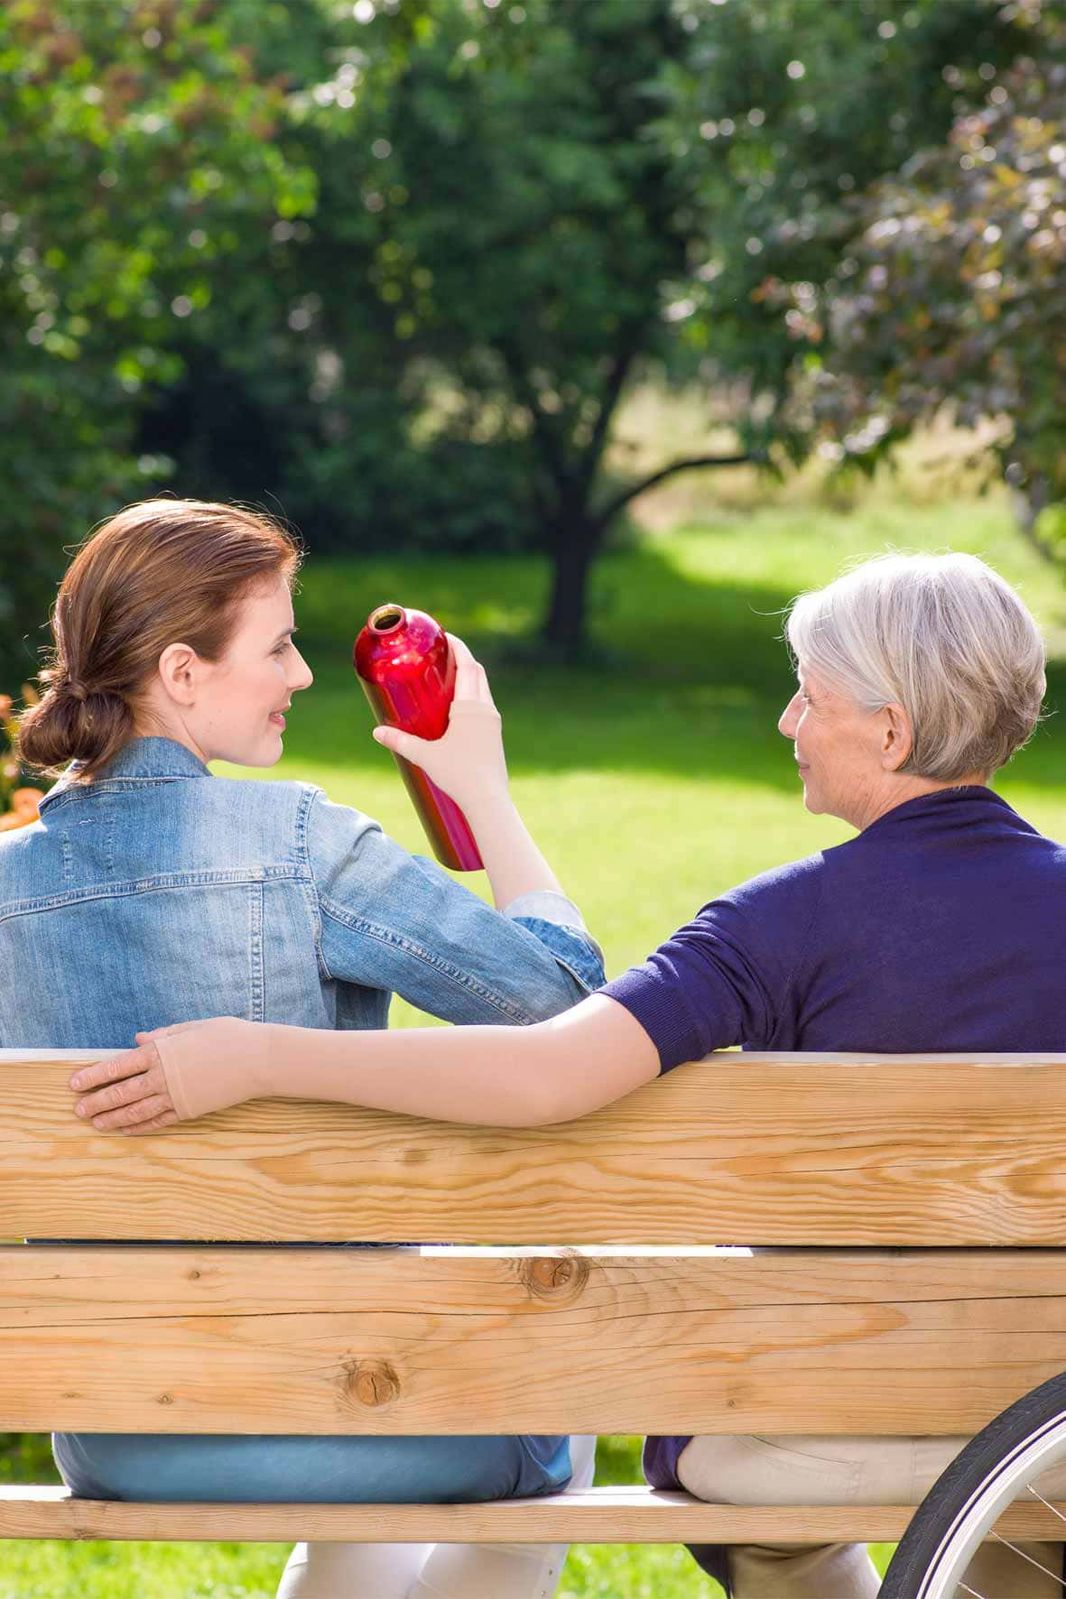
x,y
849,1471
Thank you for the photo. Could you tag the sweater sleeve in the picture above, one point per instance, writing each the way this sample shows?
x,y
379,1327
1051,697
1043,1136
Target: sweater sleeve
x,y
724,977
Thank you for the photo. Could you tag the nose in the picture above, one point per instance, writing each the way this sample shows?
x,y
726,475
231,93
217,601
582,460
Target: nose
x,y
789,718
303,677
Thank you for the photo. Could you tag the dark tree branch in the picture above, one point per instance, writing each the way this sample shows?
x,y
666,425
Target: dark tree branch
x,y
551,446
620,369
613,506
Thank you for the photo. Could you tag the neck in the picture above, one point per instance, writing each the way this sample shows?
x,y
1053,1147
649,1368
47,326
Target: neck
x,y
897,789
150,723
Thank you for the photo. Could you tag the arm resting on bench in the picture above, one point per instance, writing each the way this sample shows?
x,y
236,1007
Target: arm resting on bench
x,y
489,1076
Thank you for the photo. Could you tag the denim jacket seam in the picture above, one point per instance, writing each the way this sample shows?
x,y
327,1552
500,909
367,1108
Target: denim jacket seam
x,y
410,946
110,785
207,877
256,959
303,816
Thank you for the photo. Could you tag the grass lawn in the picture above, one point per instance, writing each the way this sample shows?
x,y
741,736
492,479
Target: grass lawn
x,y
653,781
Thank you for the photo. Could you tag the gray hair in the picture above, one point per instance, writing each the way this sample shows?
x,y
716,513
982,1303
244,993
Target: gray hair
x,y
942,635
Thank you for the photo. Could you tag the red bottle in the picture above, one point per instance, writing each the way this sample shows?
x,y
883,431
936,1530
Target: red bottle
x,y
407,669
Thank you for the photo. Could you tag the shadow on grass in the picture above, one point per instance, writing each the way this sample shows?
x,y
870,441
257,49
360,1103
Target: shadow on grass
x,y
691,677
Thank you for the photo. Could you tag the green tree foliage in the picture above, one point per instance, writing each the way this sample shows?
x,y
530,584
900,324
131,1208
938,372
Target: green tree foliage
x,y
563,191
955,291
786,114
484,272
396,264
527,268
138,153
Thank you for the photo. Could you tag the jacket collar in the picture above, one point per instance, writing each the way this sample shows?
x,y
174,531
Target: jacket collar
x,y
141,757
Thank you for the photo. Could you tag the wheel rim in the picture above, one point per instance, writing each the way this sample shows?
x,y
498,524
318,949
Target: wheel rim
x,y
1010,1479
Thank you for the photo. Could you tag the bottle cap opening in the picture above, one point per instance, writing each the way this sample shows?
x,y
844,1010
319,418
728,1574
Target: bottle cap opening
x,y
386,619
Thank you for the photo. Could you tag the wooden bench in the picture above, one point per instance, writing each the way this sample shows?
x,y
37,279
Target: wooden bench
x,y
912,1210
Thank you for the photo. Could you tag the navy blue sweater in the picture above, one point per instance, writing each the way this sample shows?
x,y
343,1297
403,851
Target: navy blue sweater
x,y
942,927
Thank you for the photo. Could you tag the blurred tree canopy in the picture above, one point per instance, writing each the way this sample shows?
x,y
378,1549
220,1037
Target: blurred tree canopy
x,y
955,292
394,265
787,117
138,151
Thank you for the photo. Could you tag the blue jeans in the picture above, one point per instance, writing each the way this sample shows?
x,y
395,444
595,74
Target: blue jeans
x,y
167,1468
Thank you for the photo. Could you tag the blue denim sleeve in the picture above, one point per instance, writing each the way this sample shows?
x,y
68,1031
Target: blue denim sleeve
x,y
571,946
394,921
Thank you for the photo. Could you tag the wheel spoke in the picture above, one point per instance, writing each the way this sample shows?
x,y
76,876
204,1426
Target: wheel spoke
x,y
1055,1511
1054,1575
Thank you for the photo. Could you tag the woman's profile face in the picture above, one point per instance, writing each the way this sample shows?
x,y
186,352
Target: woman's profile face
x,y
839,748
237,707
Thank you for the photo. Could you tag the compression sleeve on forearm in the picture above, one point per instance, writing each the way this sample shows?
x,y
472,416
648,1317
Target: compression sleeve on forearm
x,y
382,1070
488,1076
238,1066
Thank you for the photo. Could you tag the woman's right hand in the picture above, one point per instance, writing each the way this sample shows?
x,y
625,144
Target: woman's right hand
x,y
468,761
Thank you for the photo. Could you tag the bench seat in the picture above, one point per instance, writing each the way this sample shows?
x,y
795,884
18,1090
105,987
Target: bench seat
x,y
597,1515
908,1276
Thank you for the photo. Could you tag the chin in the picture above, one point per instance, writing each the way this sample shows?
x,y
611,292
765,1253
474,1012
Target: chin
x,y
265,754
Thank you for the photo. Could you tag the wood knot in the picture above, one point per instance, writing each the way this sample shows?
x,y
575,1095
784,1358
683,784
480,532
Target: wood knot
x,y
556,1276
372,1382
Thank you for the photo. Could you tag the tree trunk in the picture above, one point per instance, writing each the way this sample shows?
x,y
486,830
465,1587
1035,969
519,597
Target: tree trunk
x,y
573,549
1030,498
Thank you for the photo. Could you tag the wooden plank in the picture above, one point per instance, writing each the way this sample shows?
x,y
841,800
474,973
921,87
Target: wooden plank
x,y
793,1149
598,1515
390,1341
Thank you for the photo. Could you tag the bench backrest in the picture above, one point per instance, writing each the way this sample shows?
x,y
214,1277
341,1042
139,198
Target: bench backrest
x,y
643,1327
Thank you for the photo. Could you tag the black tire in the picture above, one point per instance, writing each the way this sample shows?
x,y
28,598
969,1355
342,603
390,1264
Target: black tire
x,y
981,1481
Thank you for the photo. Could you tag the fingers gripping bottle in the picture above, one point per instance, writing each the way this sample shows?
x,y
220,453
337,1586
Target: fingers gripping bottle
x,y
407,669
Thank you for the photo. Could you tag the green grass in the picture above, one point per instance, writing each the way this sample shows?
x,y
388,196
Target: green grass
x,y
657,778
654,780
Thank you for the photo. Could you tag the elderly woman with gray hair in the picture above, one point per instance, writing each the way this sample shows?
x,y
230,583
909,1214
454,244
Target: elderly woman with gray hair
x,y
939,927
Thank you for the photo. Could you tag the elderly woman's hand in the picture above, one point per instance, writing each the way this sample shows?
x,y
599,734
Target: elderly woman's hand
x,y
468,761
174,1074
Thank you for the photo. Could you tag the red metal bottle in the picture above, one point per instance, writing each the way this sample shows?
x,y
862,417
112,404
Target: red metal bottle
x,y
407,669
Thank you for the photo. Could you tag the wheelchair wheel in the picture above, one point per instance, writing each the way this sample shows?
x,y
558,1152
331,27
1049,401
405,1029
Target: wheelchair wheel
x,y
998,1468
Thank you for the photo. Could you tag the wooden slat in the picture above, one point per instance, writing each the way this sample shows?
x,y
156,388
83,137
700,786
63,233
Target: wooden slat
x,y
800,1149
388,1341
598,1515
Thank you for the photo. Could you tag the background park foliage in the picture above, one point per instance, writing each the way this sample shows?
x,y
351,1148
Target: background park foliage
x,y
396,266
476,292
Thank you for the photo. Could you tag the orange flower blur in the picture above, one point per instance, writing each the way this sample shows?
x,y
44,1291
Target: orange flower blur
x,y
23,802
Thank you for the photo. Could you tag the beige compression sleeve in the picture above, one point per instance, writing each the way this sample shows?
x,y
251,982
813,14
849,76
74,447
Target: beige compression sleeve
x,y
488,1076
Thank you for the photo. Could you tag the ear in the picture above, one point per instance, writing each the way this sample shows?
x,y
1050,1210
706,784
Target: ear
x,y
897,738
179,673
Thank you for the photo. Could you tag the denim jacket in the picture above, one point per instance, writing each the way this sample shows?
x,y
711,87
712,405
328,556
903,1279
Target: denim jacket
x,y
160,893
